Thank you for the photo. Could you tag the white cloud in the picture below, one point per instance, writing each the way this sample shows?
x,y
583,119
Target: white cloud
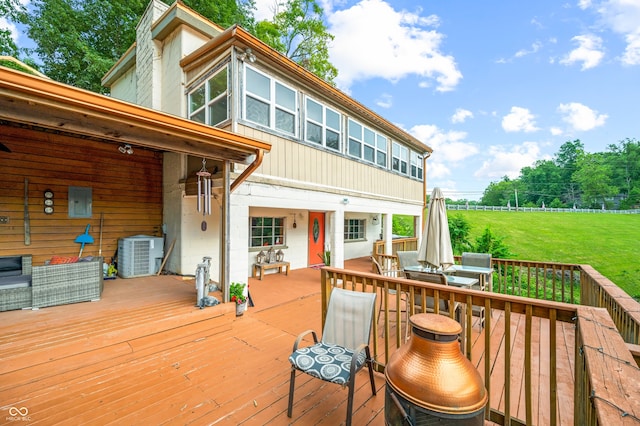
x,y
580,117
408,45
385,101
524,52
631,54
461,115
448,146
556,131
622,17
589,52
265,9
519,120
508,162
11,27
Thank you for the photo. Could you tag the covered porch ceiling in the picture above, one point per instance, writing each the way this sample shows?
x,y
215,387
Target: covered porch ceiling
x,y
40,103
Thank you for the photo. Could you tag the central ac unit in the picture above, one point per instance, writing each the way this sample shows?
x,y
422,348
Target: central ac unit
x,y
139,255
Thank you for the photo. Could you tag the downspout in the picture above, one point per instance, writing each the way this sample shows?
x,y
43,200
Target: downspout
x,y
250,169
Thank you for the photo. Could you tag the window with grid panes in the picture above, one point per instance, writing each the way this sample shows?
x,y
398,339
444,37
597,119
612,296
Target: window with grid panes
x,y
366,144
416,165
322,125
400,158
269,102
209,102
266,231
354,229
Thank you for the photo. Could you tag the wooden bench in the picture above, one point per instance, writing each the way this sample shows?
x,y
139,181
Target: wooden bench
x,y
266,266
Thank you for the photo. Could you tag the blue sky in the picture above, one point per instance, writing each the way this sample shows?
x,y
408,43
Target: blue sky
x,y
491,86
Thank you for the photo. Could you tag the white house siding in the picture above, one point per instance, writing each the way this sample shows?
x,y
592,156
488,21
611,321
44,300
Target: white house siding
x,y
126,87
260,199
173,48
299,164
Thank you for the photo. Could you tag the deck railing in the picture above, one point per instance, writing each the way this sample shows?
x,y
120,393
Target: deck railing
x,y
560,282
397,244
554,281
485,354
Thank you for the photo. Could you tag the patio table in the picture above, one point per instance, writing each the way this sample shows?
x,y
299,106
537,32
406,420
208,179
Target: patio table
x,y
480,272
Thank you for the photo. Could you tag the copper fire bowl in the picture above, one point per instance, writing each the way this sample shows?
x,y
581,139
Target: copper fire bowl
x,y
431,372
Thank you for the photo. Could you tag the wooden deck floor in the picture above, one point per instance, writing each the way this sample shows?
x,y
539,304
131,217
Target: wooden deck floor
x,y
144,354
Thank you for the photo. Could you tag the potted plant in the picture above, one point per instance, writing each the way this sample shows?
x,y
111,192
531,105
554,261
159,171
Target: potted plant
x,y
237,296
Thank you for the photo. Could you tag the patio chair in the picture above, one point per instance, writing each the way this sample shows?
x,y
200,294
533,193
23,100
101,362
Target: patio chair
x,y
344,348
407,258
482,260
404,297
437,278
430,277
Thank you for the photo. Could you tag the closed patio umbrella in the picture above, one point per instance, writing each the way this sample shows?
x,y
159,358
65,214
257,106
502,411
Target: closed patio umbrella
x,y
435,246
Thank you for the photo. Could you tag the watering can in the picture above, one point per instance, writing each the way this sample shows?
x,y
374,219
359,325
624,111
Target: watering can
x,y
84,239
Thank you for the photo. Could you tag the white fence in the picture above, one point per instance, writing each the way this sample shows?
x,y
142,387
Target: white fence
x,y
535,209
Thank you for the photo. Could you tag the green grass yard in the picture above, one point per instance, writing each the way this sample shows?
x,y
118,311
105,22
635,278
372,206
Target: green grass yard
x,y
608,242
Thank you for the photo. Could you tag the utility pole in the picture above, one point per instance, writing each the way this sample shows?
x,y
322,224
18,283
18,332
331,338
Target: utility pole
x,y
516,200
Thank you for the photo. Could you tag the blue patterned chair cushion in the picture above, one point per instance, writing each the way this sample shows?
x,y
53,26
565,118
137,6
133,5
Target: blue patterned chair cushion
x,y
328,362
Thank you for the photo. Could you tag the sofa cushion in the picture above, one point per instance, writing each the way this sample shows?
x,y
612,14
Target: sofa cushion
x,y
10,266
59,260
15,282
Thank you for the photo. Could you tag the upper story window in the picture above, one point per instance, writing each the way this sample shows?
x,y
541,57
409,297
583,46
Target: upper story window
x,y
269,102
366,144
322,125
400,158
209,102
416,165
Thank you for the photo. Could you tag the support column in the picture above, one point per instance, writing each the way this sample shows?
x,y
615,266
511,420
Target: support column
x,y
335,236
388,233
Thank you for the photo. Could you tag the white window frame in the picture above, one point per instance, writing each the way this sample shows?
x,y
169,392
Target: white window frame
x,y
274,107
325,127
360,234
400,154
417,169
368,139
208,101
276,239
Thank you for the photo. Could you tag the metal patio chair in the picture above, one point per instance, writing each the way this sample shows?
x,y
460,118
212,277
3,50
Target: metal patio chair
x,y
344,348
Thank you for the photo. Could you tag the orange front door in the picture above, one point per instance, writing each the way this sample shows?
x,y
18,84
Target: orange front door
x,y
316,237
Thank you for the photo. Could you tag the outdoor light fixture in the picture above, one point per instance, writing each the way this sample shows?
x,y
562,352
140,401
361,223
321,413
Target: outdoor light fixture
x,y
125,149
247,55
345,201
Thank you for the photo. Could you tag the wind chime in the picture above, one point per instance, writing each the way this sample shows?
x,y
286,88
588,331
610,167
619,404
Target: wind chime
x,y
204,193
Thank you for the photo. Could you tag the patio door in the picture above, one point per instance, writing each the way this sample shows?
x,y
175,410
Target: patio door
x,y
316,237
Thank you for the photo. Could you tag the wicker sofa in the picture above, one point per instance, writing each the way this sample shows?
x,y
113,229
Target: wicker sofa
x,y
53,285
15,282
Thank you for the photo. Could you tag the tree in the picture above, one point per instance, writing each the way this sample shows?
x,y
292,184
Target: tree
x,y
78,41
459,229
298,31
566,159
594,178
490,243
500,193
225,12
540,183
403,225
10,9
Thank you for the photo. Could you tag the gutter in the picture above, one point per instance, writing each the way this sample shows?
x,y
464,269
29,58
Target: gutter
x,y
249,170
